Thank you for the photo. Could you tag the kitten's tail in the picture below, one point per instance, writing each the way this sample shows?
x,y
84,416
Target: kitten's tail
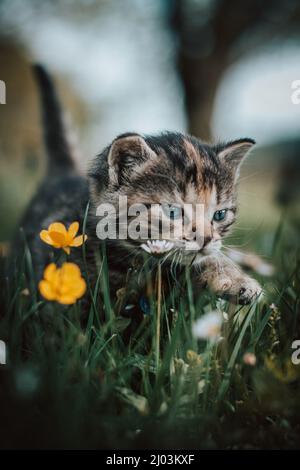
x,y
58,148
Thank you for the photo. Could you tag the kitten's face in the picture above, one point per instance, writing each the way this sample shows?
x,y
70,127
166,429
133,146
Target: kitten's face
x,y
193,184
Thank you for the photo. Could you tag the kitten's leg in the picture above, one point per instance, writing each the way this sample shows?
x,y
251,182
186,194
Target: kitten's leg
x,y
227,280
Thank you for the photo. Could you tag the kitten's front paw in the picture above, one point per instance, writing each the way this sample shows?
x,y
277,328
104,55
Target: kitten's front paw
x,y
238,290
227,281
245,291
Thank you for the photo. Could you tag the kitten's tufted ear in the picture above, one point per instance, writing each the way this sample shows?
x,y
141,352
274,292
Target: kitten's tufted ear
x,y
233,153
127,152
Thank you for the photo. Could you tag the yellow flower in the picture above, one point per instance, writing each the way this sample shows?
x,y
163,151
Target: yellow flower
x,y
59,237
65,284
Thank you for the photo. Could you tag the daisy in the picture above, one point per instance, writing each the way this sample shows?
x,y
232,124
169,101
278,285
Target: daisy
x,y
157,247
208,326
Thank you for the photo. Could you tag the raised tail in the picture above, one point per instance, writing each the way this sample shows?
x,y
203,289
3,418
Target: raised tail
x,y
57,146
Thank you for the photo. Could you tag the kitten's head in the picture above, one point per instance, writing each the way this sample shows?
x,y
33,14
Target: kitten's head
x,y
177,173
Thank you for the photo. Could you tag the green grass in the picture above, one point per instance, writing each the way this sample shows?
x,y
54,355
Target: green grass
x,y
72,386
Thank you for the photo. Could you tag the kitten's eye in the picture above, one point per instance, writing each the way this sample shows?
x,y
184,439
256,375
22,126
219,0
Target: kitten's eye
x,y
220,215
173,212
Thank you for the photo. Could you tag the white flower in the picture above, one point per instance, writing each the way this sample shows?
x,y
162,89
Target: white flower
x,y
208,326
157,247
265,269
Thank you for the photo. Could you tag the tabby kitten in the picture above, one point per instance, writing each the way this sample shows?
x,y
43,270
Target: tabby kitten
x,y
171,168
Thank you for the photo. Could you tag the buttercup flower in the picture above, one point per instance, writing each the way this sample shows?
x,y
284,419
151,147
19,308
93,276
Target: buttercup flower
x,y
59,237
208,326
157,247
64,284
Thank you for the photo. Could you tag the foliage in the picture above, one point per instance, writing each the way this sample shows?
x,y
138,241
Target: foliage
x,y
71,383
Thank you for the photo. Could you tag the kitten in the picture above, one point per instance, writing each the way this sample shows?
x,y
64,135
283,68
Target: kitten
x,y
171,168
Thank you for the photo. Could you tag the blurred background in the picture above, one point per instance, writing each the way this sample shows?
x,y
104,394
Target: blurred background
x,y
218,69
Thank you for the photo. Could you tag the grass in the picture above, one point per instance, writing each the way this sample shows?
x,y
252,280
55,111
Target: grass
x,y
72,386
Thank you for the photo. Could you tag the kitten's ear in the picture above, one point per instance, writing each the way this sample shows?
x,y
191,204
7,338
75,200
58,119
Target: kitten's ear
x,y
233,153
126,153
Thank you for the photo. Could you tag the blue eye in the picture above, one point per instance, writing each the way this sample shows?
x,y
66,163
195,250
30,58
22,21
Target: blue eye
x,y
173,212
220,215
